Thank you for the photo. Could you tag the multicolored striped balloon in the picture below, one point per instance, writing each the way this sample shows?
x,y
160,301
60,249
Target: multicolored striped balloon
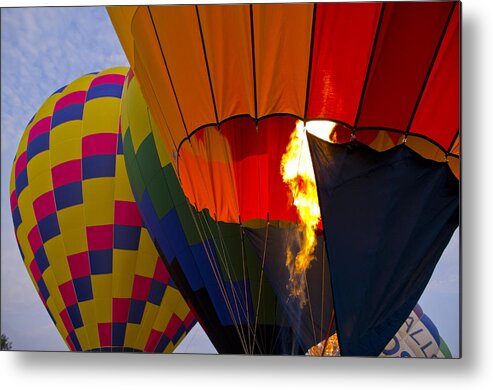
x,y
80,234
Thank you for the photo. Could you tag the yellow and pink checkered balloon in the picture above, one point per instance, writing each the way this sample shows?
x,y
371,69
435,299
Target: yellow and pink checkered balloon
x,y
79,231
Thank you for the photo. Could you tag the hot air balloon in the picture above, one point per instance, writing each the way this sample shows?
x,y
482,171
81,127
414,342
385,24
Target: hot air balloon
x,y
226,86
417,337
81,237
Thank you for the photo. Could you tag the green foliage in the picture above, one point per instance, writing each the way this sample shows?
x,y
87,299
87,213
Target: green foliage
x,y
6,345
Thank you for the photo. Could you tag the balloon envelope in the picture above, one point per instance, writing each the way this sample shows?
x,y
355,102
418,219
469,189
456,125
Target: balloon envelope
x,y
79,230
226,84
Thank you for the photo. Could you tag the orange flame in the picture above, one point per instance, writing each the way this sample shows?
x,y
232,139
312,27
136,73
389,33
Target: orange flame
x,y
297,173
327,347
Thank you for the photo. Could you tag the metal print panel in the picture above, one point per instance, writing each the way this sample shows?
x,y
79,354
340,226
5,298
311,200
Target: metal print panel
x,y
259,179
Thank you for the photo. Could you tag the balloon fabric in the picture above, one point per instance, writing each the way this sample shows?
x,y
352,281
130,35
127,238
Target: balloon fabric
x,y
79,230
226,84
387,218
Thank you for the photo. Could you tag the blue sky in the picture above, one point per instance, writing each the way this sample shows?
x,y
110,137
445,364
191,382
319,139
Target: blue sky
x,y
43,49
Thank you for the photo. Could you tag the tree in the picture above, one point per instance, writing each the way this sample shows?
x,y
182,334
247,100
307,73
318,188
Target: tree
x,y
6,345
